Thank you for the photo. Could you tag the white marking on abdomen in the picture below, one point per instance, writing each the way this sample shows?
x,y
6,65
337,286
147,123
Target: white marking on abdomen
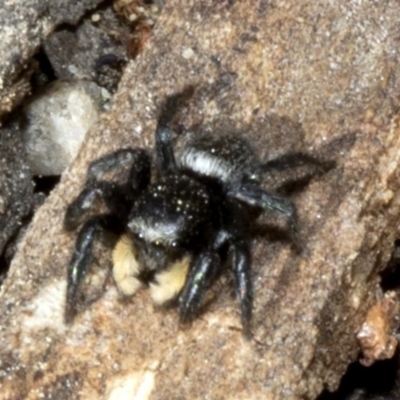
x,y
205,164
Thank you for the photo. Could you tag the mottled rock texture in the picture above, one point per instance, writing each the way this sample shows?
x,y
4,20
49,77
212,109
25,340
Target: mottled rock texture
x,y
320,77
24,25
82,53
56,122
16,188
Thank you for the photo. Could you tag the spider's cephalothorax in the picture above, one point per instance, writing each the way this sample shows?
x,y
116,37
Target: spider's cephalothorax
x,y
180,230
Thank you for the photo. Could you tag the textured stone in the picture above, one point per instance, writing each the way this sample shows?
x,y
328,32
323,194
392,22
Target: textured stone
x,y
16,188
376,336
319,77
78,53
24,25
56,123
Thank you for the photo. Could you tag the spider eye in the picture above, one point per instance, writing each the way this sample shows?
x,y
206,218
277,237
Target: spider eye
x,y
138,236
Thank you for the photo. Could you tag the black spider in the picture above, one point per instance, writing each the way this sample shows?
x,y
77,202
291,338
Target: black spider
x,y
180,230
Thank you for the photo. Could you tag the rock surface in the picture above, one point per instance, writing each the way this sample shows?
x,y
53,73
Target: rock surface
x,y
90,51
24,25
376,337
56,124
16,188
319,77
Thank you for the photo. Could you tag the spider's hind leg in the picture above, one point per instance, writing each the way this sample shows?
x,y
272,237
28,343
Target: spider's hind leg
x,y
294,160
302,169
257,197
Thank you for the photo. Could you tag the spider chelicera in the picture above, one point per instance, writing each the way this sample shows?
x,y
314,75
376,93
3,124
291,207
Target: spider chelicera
x,y
183,224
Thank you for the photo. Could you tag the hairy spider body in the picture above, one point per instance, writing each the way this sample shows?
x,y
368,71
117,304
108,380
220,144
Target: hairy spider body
x,y
180,231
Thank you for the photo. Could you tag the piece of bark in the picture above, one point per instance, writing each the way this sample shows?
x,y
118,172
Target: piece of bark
x,y
318,77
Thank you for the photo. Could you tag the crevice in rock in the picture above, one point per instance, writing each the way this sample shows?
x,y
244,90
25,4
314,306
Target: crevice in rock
x,y
381,381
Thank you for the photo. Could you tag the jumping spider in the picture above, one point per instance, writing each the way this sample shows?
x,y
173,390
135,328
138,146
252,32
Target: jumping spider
x,y
182,229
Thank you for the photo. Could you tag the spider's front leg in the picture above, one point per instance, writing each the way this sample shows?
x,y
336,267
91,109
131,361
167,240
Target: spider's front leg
x,y
202,275
82,256
200,278
76,212
118,199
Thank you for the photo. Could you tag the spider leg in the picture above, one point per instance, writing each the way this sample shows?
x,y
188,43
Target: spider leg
x,y
138,158
118,198
82,256
240,260
77,210
164,150
256,196
294,160
199,280
303,168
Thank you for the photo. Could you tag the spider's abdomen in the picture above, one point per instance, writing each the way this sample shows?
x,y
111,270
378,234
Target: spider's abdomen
x,y
172,211
226,158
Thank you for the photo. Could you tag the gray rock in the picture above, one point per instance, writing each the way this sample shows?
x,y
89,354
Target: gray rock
x,y
56,123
